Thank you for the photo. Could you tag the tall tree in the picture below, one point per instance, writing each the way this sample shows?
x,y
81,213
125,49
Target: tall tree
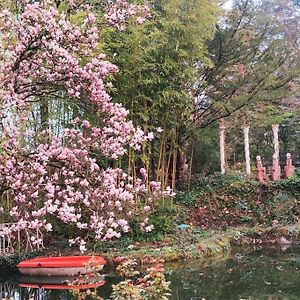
x,y
158,63
59,178
255,56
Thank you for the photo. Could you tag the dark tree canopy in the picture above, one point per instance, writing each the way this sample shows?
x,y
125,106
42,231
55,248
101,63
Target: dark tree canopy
x,y
255,53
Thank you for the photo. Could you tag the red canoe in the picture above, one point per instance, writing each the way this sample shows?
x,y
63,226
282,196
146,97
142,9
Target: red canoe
x,y
62,265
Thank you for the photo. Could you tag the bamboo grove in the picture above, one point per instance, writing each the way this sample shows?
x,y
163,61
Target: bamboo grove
x,y
188,65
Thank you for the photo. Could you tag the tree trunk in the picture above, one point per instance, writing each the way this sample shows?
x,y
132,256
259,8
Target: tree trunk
x,y
275,128
44,113
247,150
222,146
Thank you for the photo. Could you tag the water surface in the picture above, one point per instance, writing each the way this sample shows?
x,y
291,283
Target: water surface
x,y
268,273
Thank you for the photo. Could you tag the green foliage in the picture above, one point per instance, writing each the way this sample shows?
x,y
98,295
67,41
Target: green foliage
x,y
163,220
120,244
215,181
186,198
290,184
221,201
10,262
255,42
151,286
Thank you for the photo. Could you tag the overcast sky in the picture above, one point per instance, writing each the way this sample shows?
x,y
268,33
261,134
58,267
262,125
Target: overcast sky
x,y
227,5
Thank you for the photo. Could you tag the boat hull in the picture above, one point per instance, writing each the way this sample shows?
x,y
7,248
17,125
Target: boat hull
x,y
61,265
59,271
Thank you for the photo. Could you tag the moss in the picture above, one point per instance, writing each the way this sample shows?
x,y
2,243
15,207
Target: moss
x,y
216,244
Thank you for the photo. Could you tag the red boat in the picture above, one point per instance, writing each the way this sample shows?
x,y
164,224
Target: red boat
x,y
62,265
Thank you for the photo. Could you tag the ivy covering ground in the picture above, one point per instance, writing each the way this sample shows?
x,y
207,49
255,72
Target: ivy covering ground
x,y
219,202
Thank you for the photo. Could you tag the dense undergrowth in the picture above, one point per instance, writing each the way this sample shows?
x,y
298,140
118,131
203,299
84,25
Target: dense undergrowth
x,y
219,201
213,205
219,211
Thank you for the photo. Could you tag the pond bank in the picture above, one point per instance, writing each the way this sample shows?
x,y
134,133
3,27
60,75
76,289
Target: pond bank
x,y
185,244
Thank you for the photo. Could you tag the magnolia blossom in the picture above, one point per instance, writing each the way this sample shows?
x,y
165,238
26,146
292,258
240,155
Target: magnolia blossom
x,y
61,177
147,208
118,12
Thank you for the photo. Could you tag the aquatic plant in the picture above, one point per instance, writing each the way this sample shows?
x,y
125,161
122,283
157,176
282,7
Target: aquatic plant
x,y
152,285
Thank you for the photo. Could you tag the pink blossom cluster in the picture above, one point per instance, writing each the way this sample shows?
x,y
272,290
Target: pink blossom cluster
x,y
118,12
46,53
43,54
61,179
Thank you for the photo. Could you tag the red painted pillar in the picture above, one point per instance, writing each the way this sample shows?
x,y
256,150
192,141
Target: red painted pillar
x,y
276,171
260,170
289,169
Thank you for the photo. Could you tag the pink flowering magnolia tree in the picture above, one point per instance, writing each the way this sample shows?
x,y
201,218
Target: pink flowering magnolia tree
x,y
60,178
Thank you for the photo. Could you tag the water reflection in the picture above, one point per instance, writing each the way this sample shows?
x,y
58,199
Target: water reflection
x,y
50,287
269,273
263,274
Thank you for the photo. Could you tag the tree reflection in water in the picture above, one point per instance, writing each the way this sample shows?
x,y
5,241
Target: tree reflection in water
x,y
51,287
268,273
264,274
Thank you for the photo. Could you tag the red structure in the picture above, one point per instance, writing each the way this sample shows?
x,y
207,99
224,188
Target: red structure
x,y
289,169
260,170
276,171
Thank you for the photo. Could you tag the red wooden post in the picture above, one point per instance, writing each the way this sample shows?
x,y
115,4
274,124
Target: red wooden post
x,y
289,169
260,170
276,171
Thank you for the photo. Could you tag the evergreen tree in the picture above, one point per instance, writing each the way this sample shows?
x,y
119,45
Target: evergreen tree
x,y
255,56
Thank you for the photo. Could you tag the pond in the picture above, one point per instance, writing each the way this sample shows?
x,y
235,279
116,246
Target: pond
x,y
268,273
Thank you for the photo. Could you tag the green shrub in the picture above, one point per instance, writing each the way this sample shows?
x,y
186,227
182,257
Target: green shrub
x,y
163,219
122,243
215,181
10,262
186,198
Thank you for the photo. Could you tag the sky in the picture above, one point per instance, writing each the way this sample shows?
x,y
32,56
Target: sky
x,y
227,5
